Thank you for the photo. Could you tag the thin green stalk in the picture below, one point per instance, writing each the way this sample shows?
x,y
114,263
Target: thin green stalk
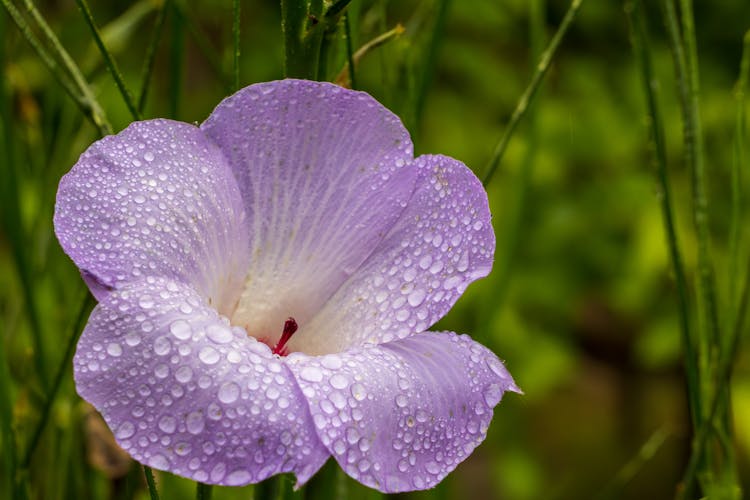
x,y
236,39
528,95
176,58
109,60
724,376
367,48
711,467
738,161
429,60
152,491
57,72
148,64
337,8
211,55
626,474
508,249
203,491
349,52
694,141
303,35
729,352
75,331
96,111
641,48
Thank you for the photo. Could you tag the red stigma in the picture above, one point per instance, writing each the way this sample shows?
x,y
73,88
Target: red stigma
x,y
290,326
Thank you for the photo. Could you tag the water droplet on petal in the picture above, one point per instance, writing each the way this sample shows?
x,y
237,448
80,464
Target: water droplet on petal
x,y
180,329
168,424
339,381
114,349
220,334
126,430
311,374
416,297
229,392
493,394
194,422
238,478
358,392
183,374
208,355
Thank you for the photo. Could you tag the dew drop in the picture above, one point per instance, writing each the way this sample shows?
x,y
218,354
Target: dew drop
x,y
180,329
311,374
432,467
416,297
339,381
358,392
146,302
168,424
208,355
162,346
126,430
218,472
114,350
194,422
493,394
220,334
238,478
229,392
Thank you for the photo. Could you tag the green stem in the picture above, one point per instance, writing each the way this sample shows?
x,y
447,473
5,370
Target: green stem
x,y
76,329
63,79
303,30
694,143
656,130
523,103
96,112
109,60
151,483
429,60
176,56
366,48
738,160
236,39
148,64
349,52
203,491
507,251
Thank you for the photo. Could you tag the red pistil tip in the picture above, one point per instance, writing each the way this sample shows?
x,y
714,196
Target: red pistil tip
x,y
290,326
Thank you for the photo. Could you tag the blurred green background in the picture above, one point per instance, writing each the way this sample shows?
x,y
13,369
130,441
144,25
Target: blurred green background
x,y
581,303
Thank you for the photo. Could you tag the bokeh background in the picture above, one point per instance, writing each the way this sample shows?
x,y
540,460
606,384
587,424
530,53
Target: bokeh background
x,y
581,303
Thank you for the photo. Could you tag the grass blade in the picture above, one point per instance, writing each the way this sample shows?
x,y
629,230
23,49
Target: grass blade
x,y
236,40
148,64
528,95
86,305
96,111
152,491
109,60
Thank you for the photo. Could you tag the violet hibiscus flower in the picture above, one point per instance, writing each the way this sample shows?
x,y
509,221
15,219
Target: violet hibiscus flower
x,y
265,281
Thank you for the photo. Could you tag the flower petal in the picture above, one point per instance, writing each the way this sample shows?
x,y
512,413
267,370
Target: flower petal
x,y
324,173
185,393
157,199
401,416
442,242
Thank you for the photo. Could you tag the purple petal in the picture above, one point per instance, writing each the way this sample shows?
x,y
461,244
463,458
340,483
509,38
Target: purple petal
x,y
324,173
157,199
185,393
442,242
401,416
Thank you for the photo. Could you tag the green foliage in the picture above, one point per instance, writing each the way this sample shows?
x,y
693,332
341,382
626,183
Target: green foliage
x,y
618,298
